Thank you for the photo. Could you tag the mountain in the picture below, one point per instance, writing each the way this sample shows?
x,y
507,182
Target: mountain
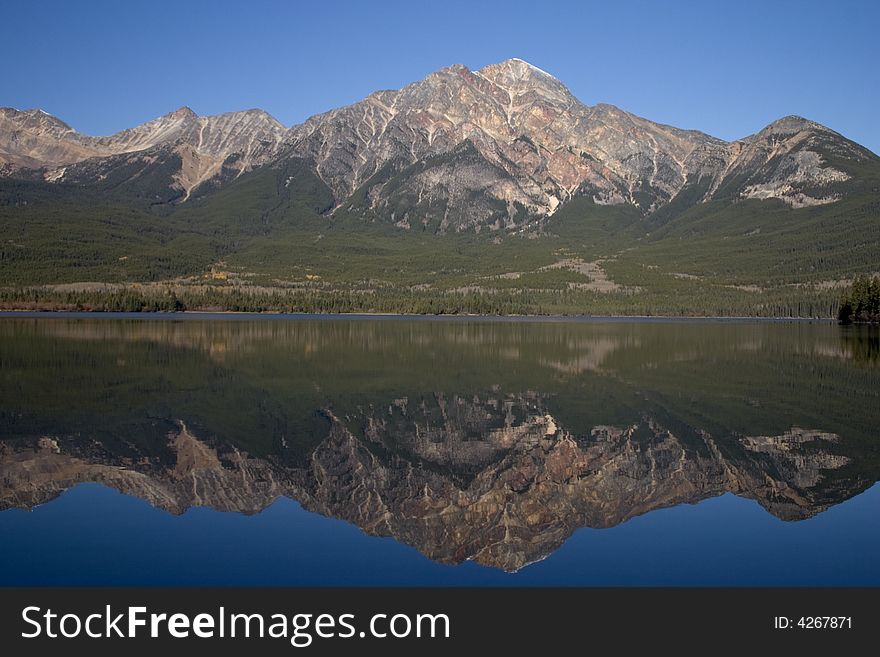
x,y
189,149
532,483
791,160
505,151
34,139
460,149
493,147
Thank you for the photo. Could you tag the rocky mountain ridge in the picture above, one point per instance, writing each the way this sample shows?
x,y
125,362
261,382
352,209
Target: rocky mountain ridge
x,y
502,147
199,145
494,480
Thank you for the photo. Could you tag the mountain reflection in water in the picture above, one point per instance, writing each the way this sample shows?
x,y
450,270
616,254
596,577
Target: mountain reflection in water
x,y
469,440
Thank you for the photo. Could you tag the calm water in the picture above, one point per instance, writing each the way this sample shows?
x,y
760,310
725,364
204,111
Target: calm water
x,y
296,451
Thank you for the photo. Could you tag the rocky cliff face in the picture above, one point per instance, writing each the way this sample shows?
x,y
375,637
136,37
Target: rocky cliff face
x,y
787,160
502,147
200,476
519,491
33,139
511,133
495,479
193,149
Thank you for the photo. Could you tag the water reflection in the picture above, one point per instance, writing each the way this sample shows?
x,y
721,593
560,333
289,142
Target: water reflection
x,y
467,440
861,343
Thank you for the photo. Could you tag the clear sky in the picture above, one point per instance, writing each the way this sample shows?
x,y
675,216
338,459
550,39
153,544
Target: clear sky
x,y
728,68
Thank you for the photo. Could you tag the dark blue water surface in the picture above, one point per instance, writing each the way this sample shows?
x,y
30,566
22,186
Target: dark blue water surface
x,y
93,535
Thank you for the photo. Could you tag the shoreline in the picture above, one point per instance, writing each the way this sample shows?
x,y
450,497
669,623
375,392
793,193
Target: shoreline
x,y
195,315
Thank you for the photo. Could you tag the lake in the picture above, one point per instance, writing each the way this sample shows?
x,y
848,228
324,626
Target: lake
x,y
289,450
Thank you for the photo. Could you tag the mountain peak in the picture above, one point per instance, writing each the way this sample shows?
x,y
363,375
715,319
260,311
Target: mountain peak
x,y
453,70
30,112
183,112
518,76
516,67
36,119
792,124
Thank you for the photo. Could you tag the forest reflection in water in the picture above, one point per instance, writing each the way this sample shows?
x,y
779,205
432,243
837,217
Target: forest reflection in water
x,y
475,440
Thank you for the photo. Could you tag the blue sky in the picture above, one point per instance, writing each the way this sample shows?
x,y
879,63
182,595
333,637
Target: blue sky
x,y
725,68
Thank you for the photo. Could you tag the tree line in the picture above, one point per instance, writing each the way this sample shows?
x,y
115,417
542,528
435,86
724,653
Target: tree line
x,y
725,302
861,301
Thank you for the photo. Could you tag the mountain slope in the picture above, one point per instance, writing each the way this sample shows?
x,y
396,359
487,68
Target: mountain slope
x,y
521,121
191,150
496,184
32,139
